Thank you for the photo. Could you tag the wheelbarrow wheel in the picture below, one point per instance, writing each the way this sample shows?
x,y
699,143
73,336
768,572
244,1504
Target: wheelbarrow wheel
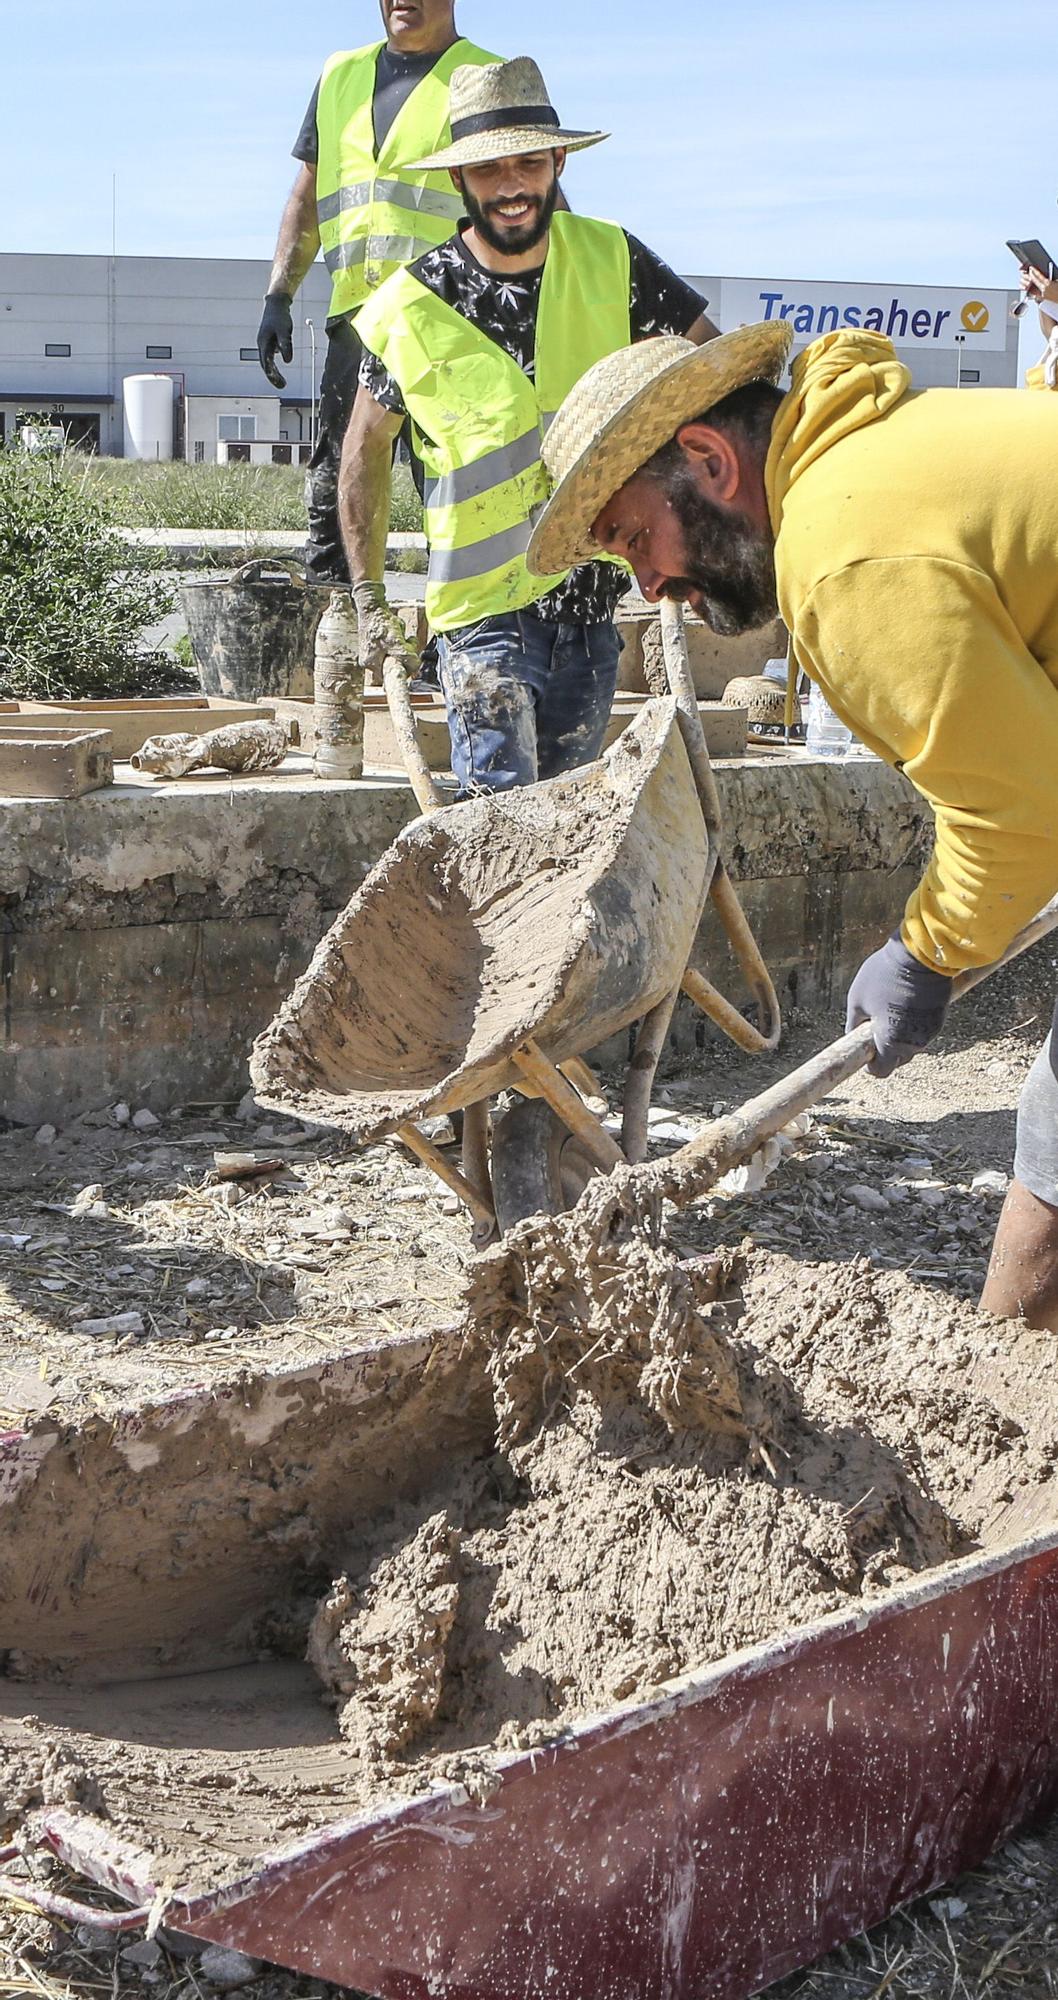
x,y
538,1167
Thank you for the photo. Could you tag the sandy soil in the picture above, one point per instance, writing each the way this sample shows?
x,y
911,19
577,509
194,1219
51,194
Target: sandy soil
x,y
918,1143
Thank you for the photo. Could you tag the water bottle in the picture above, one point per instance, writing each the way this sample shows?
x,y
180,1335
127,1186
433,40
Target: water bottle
x,y
825,736
338,692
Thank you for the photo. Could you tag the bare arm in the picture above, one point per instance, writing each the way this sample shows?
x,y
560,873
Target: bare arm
x,y
364,483
299,235
702,330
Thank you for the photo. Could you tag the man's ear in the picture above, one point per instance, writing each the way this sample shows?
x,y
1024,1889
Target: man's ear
x,y
456,179
560,161
714,458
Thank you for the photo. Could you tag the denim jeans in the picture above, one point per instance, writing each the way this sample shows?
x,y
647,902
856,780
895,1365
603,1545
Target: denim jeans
x,y
527,698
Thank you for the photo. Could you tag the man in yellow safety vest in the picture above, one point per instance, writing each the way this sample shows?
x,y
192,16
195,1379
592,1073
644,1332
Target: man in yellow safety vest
x,y
373,112
477,343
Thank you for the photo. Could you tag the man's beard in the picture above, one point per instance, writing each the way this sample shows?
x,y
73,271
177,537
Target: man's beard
x,y
508,242
730,562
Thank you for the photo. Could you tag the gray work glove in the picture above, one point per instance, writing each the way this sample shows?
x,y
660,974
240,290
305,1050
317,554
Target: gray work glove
x,y
381,632
276,332
904,1001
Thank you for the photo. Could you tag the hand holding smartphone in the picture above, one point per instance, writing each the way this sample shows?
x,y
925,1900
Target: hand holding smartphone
x,y
1032,256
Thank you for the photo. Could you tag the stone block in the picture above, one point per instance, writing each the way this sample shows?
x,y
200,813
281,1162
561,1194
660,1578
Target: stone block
x,y
381,752
713,660
131,722
726,729
42,762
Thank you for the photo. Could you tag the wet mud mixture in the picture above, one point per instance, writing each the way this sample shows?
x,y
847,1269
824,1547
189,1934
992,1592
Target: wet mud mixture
x,y
743,1448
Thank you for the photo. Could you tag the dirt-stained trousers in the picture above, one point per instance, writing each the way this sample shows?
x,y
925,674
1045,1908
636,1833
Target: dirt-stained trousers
x,y
527,697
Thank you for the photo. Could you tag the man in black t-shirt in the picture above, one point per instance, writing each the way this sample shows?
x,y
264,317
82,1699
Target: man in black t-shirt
x,y
420,33
470,341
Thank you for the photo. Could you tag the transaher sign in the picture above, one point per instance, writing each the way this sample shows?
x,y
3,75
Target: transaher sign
x,y
912,315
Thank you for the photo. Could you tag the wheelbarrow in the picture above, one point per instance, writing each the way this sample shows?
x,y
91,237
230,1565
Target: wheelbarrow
x,y
499,940
706,1840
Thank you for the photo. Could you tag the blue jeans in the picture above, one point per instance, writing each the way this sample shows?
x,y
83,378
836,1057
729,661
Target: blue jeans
x,y
527,698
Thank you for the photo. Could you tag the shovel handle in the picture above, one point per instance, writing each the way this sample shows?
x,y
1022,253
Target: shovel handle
x,y
420,777
727,1142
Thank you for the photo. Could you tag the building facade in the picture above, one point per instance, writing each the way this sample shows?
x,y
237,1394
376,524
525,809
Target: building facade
x,y
73,328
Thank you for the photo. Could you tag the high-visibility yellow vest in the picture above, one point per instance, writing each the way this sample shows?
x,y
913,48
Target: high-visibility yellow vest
x,y
478,422
374,213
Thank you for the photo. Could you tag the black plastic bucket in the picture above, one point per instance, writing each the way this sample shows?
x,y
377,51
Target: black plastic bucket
x,y
253,633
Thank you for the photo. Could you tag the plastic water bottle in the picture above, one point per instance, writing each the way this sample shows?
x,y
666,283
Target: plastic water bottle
x,y
825,736
338,692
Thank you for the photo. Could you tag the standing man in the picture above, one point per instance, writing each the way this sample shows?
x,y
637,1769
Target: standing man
x,y
373,111
909,542
477,343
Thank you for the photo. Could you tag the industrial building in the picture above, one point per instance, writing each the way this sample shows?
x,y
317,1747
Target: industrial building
x,y
73,329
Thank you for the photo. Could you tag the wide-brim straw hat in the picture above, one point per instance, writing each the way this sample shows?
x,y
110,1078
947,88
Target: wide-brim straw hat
x,y
623,410
499,109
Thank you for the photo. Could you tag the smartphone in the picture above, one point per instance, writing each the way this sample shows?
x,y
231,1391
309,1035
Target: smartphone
x,y
1033,253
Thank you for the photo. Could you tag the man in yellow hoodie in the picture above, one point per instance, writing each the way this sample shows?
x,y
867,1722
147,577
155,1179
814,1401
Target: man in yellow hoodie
x,y
910,541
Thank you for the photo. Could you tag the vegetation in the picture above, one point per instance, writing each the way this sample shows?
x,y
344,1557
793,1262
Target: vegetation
x,y
244,499
76,597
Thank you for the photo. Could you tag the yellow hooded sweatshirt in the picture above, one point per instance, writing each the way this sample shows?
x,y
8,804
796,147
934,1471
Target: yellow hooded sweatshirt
x,y
917,565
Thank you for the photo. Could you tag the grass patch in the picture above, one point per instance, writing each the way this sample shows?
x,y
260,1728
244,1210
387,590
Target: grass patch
x,y
241,499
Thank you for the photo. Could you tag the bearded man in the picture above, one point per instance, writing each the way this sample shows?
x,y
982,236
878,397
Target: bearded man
x,y
477,343
908,540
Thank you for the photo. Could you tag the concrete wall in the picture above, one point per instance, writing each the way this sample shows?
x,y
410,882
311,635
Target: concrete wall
x,y
147,935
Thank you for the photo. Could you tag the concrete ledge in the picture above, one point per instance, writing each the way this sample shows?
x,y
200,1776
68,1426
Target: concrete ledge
x,y
188,546
147,932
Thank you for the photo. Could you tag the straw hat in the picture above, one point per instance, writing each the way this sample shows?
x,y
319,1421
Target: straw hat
x,y
499,109
623,410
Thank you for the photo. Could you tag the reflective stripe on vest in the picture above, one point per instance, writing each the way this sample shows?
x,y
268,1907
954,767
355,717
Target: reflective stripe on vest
x,y
478,420
364,202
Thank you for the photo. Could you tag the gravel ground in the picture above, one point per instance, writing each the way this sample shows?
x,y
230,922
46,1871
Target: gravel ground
x,y
336,1245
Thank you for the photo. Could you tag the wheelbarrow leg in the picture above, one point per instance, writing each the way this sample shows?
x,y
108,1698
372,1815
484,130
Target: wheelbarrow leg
x,y
476,1167
431,1156
568,1106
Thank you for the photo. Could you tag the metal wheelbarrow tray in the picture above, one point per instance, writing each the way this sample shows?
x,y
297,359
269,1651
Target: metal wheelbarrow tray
x,y
562,912
705,1841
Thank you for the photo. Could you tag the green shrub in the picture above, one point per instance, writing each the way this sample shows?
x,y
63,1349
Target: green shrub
x,y
405,514
75,597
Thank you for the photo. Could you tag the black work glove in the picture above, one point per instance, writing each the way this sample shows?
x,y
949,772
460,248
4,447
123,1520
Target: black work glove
x,y
276,331
904,1001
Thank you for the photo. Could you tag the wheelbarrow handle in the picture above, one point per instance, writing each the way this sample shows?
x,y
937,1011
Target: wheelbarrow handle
x,y
68,1910
721,890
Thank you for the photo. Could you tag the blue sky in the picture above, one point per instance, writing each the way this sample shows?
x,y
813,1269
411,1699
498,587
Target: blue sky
x,y
897,142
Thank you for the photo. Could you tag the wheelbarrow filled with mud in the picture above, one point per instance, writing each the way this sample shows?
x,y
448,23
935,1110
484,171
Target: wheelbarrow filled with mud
x,y
499,940
697,1824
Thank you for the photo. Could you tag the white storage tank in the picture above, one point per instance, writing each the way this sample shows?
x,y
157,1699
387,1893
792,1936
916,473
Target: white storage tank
x,y
148,404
